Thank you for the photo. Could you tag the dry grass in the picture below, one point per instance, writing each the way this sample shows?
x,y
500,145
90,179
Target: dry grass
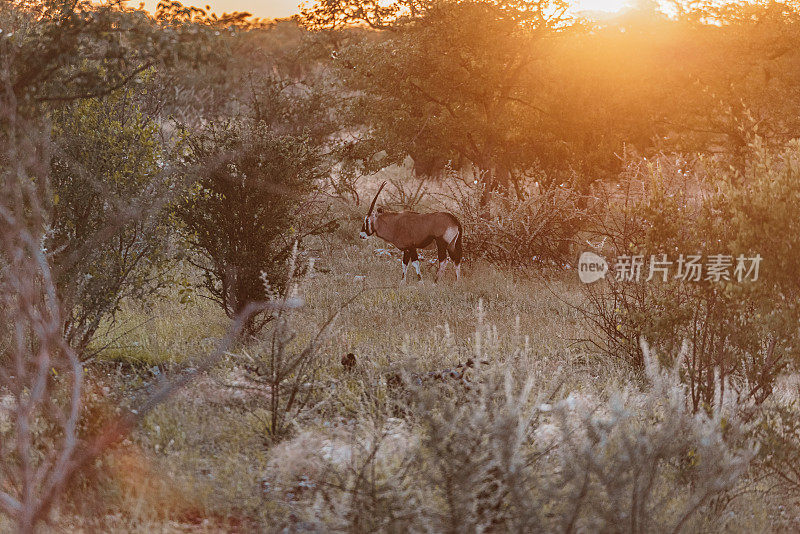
x,y
166,331
202,464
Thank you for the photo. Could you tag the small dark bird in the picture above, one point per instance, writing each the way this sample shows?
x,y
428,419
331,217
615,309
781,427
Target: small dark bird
x,y
349,361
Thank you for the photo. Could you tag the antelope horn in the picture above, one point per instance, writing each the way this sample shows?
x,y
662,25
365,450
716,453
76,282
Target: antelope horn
x,y
371,206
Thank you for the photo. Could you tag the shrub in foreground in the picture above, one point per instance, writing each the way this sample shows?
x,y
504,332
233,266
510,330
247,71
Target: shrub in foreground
x,y
503,454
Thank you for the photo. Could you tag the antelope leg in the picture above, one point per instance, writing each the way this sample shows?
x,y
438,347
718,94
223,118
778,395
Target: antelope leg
x,y
440,270
415,263
441,252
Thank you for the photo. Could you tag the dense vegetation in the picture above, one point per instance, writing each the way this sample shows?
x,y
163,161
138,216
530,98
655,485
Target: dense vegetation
x,y
191,335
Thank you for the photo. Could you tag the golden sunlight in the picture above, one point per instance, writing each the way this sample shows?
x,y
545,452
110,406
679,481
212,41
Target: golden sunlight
x,y
608,6
287,8
259,8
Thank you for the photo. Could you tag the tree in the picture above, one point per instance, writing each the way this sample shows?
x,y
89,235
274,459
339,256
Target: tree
x,y
517,88
248,208
60,51
451,78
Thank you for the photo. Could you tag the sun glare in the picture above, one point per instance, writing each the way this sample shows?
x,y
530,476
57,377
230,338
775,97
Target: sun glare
x,y
608,6
259,8
287,8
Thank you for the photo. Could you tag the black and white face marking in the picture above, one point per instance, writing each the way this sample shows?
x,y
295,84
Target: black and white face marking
x,y
368,228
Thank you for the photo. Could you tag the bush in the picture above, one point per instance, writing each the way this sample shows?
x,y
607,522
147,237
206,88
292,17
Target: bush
x,y
741,334
286,374
249,206
520,233
504,454
778,432
109,230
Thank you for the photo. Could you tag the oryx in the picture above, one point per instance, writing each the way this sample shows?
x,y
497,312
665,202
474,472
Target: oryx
x,y
409,230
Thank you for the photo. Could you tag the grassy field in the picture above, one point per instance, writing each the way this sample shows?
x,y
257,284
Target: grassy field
x,y
204,462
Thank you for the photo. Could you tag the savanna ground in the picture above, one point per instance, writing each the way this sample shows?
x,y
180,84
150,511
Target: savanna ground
x,y
205,462
204,456
194,338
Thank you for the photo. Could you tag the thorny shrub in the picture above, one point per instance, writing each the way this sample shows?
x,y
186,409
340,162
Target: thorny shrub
x,y
741,334
506,454
519,233
286,374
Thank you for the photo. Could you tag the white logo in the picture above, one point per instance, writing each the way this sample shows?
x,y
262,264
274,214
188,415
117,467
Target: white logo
x,y
591,267
718,268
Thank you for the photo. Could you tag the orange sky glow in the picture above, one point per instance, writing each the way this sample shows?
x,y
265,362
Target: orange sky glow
x,y
286,8
260,8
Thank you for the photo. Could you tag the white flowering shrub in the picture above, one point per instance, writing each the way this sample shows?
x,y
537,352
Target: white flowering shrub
x,y
642,462
504,453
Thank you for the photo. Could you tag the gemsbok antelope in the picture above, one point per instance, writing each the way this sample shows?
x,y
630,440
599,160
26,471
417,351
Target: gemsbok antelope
x,y
409,231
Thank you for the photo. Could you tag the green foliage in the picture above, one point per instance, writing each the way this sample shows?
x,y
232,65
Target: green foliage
x,y
249,206
108,235
742,333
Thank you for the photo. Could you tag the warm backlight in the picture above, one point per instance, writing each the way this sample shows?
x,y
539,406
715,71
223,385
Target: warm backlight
x,y
600,5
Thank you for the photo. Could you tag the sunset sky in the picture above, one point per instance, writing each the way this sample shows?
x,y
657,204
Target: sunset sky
x,y
259,8
287,8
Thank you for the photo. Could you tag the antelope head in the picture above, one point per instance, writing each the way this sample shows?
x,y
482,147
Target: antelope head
x,y
368,228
